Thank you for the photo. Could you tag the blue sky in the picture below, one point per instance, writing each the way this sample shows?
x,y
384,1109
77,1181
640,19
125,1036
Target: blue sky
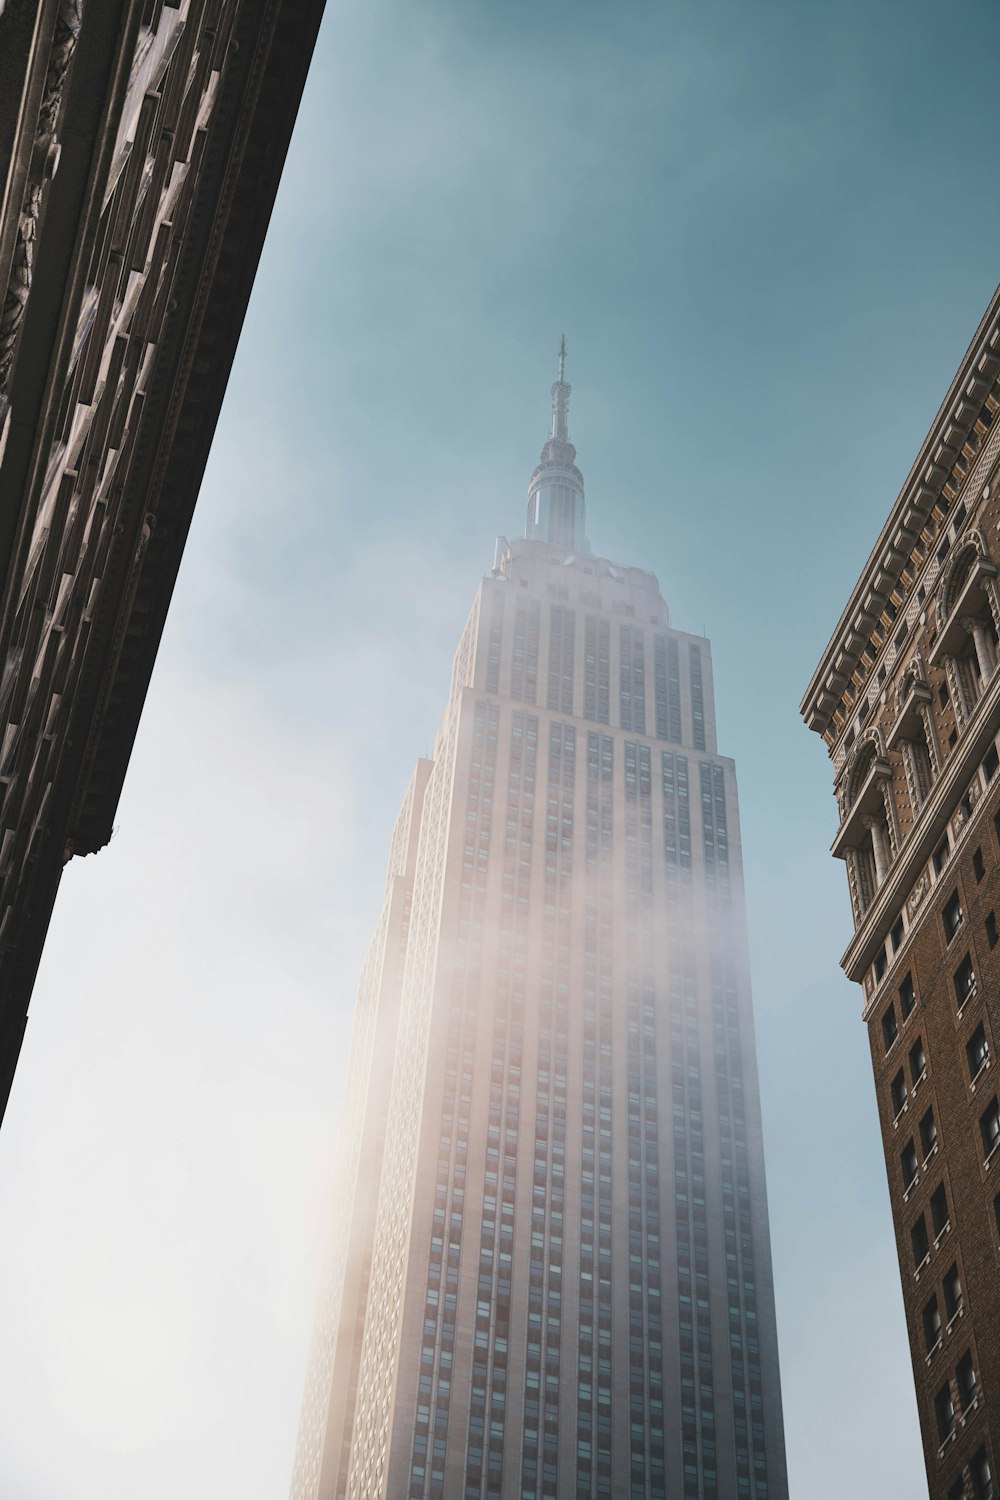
x,y
766,233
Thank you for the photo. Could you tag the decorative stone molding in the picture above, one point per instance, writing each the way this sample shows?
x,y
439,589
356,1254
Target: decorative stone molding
x,y
44,160
915,899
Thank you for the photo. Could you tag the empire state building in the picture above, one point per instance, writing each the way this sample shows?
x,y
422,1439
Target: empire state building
x,y
551,1270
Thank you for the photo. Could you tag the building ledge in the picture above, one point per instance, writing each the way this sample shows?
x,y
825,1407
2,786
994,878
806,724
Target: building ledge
x,y
868,802
934,817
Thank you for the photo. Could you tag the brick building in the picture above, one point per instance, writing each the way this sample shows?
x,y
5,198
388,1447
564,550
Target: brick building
x,y
907,699
141,144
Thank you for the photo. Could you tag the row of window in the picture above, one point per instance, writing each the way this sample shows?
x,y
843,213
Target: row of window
x,y
633,670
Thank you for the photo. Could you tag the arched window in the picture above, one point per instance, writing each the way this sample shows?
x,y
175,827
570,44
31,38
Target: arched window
x,y
967,639
865,838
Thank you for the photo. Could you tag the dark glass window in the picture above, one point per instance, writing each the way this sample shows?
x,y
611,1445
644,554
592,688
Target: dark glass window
x,y
908,1163
932,1324
939,1209
978,864
944,1410
918,1060
989,1126
964,980
898,1090
965,1377
982,1476
920,1242
890,1028
951,915
991,929
977,1051
952,1288
928,1133
907,996
941,854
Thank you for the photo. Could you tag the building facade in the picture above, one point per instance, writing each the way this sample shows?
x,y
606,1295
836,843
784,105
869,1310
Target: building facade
x,y
907,699
141,145
551,1272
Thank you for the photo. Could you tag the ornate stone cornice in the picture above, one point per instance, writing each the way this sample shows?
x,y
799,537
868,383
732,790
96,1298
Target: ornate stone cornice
x,y
922,490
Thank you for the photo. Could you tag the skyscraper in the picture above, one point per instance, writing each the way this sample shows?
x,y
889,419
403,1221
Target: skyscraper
x,y
907,699
552,1270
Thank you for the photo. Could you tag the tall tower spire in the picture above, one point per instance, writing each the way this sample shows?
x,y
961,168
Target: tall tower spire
x,y
561,393
556,507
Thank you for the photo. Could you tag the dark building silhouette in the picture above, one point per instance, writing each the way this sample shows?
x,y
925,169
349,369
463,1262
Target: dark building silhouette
x,y
141,144
907,699
551,1267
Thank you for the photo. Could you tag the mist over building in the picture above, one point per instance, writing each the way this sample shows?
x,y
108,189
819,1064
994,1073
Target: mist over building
x,y
907,699
551,1268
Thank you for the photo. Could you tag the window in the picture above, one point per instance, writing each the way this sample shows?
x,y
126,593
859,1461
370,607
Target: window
x,y
928,1133
944,1410
918,1060
964,980
939,1209
991,929
965,1377
978,865
941,854
898,1092
932,1324
982,1476
907,996
920,1242
943,695
977,1052
989,1128
880,966
896,935
952,1288
909,1164
991,763
951,915
890,1030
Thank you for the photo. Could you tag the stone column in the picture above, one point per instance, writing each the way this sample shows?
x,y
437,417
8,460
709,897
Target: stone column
x,y
978,632
875,828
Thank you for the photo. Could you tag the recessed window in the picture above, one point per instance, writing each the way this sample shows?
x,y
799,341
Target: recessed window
x,y
896,935
944,1410
909,1164
991,763
982,1476
964,980
907,996
898,1091
880,966
989,1128
965,1378
952,1288
928,1133
890,1027
932,1324
992,935
977,1052
940,1217
978,865
943,695
919,1242
953,739
941,854
951,915
918,1060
